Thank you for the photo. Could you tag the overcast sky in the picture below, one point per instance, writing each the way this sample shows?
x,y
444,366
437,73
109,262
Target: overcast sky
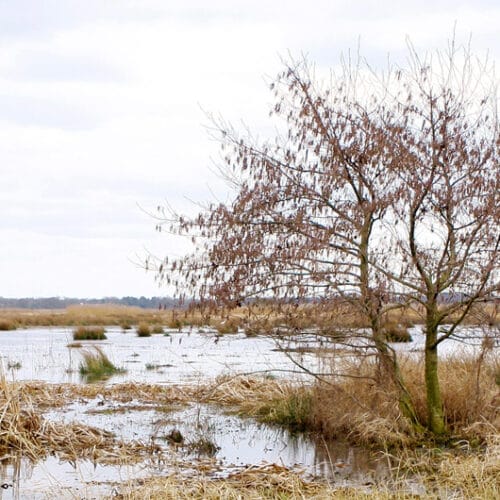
x,y
101,114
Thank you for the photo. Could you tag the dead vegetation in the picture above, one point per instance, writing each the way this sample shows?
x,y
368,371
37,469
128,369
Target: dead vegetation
x,y
269,481
357,407
438,474
24,430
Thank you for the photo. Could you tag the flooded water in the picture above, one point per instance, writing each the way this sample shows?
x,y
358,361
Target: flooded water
x,y
187,356
177,357
225,442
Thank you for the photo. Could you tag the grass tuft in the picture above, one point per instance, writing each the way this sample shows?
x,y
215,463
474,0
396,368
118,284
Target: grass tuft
x,y
97,366
89,333
396,332
143,330
7,325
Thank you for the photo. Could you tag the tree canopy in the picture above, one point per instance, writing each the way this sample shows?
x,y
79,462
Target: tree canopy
x,y
382,188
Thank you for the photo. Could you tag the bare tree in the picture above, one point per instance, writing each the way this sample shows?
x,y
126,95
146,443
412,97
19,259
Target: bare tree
x,y
445,225
334,205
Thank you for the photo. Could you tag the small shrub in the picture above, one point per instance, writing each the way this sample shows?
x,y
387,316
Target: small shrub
x,y
143,330
16,365
7,325
89,333
125,325
157,329
97,366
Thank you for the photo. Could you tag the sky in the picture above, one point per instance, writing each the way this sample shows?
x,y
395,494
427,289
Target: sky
x,y
104,110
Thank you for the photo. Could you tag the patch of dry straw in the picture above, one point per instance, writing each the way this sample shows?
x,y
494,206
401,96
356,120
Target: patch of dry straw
x,y
23,430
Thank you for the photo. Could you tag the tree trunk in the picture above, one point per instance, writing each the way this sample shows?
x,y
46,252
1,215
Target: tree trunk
x,y
390,367
371,307
435,415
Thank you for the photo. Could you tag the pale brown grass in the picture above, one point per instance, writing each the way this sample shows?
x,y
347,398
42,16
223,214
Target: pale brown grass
x,y
24,430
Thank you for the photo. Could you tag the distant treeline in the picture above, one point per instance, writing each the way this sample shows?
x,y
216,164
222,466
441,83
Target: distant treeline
x,y
63,302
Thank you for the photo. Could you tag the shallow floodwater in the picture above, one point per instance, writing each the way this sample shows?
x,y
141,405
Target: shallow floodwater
x,y
180,357
186,356
235,444
189,357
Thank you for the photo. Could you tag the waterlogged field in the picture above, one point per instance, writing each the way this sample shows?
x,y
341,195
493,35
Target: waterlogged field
x,y
160,415
50,355
189,355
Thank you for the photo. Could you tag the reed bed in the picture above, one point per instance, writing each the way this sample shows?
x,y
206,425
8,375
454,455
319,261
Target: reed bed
x,y
256,317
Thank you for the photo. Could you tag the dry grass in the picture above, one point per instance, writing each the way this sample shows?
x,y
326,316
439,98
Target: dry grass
x,y
268,481
440,475
99,315
143,330
23,430
360,408
352,407
365,410
265,318
459,473
7,325
89,333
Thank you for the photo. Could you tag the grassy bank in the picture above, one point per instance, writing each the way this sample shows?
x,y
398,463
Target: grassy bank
x,y
358,407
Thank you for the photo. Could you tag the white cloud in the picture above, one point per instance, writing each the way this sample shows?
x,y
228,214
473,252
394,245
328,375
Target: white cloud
x,y
101,112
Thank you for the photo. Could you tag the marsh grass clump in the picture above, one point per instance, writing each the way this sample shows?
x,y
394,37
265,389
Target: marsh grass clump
x,y
396,332
97,366
174,323
203,446
227,326
157,329
89,333
175,437
143,330
293,412
7,325
125,325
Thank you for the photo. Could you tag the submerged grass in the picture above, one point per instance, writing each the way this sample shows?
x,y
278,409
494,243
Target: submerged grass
x,y
97,366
